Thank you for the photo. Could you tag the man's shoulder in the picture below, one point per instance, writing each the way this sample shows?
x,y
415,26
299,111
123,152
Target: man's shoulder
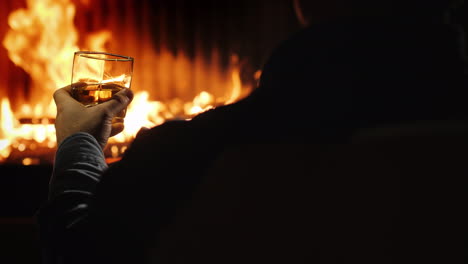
x,y
163,133
185,131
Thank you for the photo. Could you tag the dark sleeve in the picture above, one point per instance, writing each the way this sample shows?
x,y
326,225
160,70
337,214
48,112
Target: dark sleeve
x,y
78,168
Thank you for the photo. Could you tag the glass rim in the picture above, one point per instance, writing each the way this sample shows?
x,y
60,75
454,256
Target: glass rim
x,y
89,55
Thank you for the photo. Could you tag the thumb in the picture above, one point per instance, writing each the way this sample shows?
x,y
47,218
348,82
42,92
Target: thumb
x,y
118,102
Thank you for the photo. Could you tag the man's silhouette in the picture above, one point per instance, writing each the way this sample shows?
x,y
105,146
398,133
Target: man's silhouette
x,y
358,64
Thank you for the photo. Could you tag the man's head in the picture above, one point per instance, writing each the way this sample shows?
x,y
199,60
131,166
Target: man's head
x,y
312,11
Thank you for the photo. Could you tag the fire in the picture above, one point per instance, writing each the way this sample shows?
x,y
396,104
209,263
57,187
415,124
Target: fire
x,y
6,119
42,40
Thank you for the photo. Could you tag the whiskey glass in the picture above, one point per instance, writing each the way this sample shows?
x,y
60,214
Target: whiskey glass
x,y
97,76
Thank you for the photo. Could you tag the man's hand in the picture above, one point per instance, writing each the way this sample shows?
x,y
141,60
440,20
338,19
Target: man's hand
x,y
73,117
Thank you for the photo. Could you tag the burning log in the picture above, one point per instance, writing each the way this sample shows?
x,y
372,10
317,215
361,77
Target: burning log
x,y
30,152
36,121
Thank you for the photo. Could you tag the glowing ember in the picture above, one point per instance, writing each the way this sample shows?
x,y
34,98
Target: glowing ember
x,y
42,40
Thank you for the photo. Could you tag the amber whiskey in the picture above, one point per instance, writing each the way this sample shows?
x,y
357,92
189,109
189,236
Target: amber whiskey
x,y
94,94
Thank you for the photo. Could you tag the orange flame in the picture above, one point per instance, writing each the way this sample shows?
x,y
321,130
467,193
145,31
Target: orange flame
x,y
33,43
42,40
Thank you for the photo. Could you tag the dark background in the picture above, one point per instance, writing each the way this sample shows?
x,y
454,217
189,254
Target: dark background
x,y
247,27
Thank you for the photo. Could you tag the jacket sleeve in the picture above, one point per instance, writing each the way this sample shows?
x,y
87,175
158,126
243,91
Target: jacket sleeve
x,y
78,168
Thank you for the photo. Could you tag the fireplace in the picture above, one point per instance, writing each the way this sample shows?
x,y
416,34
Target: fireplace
x,y
190,56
